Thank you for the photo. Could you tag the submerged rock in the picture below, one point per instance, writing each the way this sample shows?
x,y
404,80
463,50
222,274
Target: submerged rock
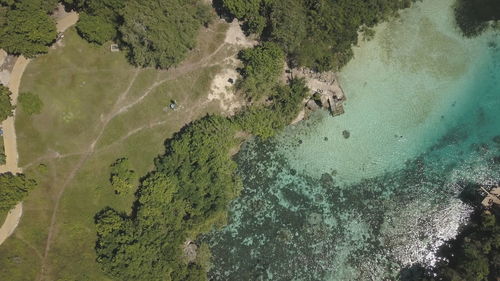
x,y
496,139
346,134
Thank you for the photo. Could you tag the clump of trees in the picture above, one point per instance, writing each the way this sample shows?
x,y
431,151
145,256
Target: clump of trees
x,y
26,27
263,66
99,19
30,103
264,120
317,34
13,189
472,16
6,107
160,33
122,179
156,33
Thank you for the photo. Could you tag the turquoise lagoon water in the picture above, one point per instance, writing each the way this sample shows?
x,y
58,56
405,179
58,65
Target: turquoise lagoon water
x,y
422,111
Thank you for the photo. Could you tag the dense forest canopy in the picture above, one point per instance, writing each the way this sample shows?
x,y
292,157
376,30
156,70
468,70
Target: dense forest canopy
x,y
26,28
314,33
160,33
156,33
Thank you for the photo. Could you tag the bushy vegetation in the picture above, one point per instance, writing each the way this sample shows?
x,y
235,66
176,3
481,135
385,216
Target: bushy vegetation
x,y
30,103
316,33
99,19
95,29
160,33
265,120
122,179
156,33
13,189
263,66
6,107
25,26
472,16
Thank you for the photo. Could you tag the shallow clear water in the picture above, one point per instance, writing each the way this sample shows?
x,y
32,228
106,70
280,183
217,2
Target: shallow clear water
x,y
422,112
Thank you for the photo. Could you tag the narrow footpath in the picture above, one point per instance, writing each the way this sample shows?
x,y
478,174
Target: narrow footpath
x,y
64,21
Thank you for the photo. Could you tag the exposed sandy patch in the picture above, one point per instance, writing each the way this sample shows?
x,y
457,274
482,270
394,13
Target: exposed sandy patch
x,y
235,36
6,65
222,87
64,19
223,90
300,117
66,22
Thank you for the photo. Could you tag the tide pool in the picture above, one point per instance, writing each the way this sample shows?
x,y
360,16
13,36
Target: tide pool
x,y
422,112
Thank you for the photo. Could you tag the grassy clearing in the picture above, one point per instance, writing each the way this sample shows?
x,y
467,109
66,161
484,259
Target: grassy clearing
x,y
82,89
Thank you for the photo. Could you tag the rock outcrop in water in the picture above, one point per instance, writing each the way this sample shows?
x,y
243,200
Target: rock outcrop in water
x,y
326,92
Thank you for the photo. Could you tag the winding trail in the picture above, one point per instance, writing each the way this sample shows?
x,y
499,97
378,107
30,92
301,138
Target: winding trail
x,y
9,131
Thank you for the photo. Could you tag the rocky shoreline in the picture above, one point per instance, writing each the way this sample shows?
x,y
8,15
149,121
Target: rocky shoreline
x,y
326,92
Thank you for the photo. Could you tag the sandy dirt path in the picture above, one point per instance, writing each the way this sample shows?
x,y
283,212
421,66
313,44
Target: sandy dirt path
x,y
9,131
11,222
67,21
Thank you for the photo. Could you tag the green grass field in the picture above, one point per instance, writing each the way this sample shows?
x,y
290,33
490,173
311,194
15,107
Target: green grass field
x,y
97,108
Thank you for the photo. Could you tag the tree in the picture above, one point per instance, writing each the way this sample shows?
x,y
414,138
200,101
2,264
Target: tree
x,y
122,178
6,107
13,189
95,29
160,33
263,66
27,29
250,11
99,19
30,103
265,121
